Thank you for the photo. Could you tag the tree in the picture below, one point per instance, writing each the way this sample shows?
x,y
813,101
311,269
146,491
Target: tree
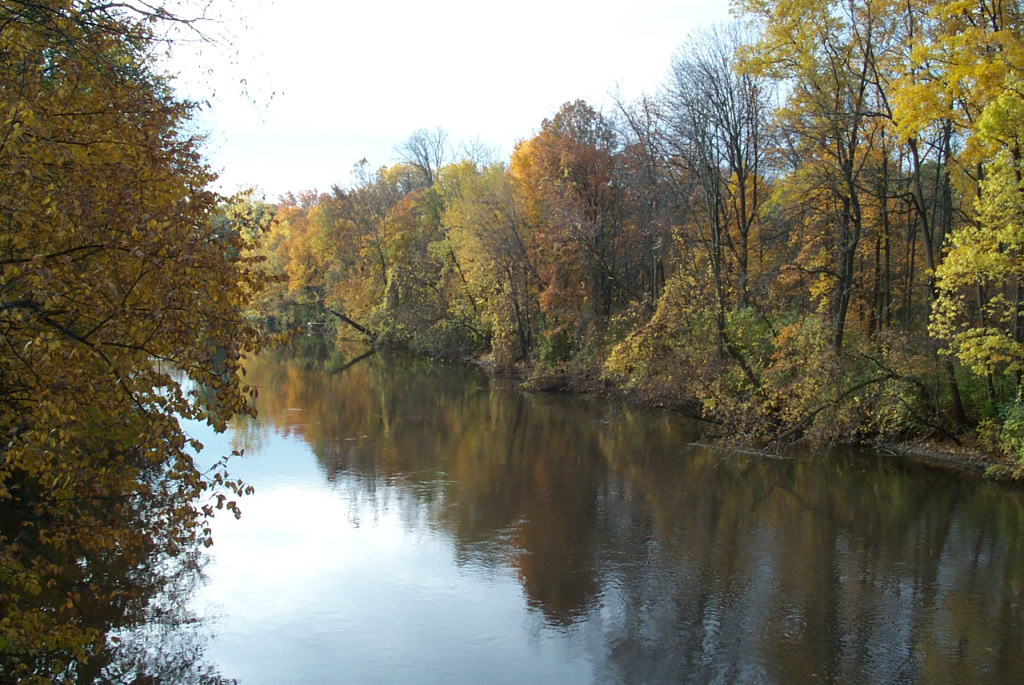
x,y
494,244
822,51
426,151
569,179
121,302
716,133
984,268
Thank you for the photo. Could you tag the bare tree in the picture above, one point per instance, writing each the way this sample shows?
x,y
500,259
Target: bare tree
x,y
713,133
479,152
426,151
717,130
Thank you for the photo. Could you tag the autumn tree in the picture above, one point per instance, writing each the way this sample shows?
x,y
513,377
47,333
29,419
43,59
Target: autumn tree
x,y
113,274
716,131
570,180
821,53
651,199
967,70
493,239
713,141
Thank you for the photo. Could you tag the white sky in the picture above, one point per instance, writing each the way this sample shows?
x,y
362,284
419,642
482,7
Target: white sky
x,y
333,82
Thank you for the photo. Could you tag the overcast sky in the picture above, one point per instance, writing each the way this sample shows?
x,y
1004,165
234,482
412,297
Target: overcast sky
x,y
333,82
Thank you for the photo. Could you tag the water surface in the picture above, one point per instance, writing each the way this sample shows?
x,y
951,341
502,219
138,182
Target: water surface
x,y
415,522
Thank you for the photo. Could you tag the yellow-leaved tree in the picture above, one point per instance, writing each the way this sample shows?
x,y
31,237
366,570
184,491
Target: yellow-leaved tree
x,y
121,298
968,67
981,282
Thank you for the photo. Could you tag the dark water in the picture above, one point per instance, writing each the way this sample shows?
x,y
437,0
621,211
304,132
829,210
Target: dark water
x,y
418,523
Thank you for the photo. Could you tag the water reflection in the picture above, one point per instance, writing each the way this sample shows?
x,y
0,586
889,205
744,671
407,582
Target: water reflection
x,y
649,560
157,638
136,612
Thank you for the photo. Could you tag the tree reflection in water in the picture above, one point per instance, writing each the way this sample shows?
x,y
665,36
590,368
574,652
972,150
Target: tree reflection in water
x,y
675,562
138,612
165,642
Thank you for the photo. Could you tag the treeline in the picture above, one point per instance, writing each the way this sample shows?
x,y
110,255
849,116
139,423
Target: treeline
x,y
812,230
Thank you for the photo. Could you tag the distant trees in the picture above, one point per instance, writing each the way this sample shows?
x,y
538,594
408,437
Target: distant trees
x,y
821,191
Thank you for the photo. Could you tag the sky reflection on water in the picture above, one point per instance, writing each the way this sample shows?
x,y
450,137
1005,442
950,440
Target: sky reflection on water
x,y
415,522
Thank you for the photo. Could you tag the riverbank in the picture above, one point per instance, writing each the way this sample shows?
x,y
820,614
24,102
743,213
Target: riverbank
x,y
966,457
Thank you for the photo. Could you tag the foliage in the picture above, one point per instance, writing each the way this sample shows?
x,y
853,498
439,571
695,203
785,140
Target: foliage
x,y
989,253
1011,433
819,191
116,269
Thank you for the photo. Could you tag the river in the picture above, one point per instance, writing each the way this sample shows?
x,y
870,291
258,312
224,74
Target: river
x,y
417,522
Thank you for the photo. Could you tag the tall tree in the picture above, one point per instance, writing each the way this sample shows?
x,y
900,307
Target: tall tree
x,y
823,52
494,241
113,272
426,151
569,178
716,132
